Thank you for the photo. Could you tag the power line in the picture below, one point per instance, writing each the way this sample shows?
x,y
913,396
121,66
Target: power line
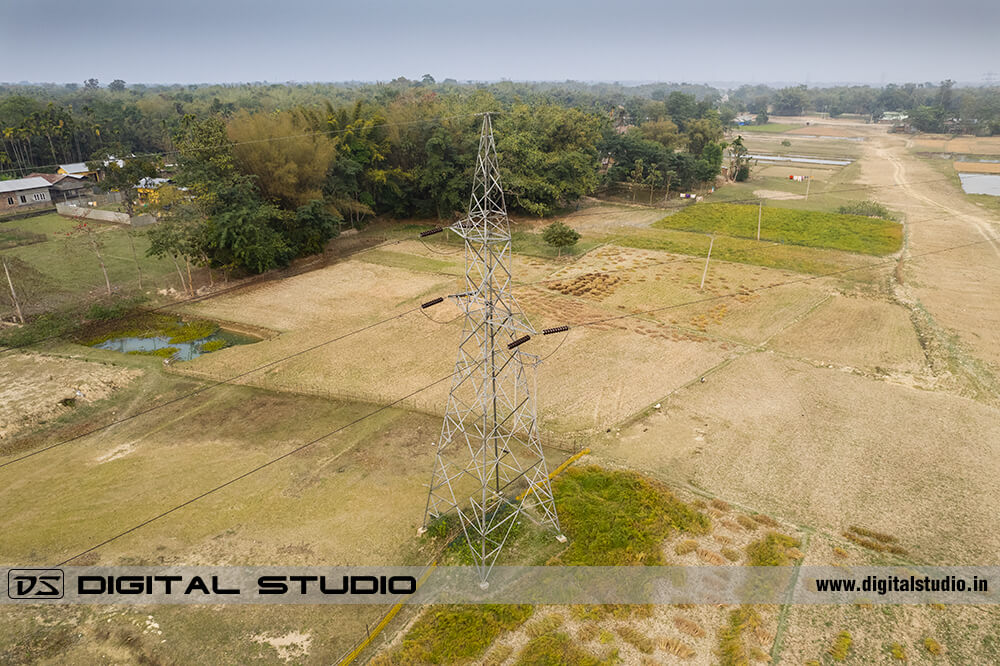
x,y
256,469
406,397
194,299
778,284
444,378
519,284
207,388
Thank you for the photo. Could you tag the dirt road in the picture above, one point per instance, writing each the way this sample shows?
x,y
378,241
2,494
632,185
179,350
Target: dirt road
x,y
957,289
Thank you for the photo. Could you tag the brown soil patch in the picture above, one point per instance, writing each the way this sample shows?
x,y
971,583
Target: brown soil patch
x,y
777,194
36,388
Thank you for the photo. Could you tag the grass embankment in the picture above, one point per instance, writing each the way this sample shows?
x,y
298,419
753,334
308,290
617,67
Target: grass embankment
x,y
850,233
10,238
56,270
610,517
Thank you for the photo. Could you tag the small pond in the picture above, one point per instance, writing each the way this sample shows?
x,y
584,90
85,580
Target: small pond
x,y
980,183
170,338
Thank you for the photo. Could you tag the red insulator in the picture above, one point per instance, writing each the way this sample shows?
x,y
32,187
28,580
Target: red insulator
x,y
431,302
555,329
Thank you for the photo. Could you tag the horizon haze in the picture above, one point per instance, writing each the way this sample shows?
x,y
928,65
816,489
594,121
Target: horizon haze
x,y
637,41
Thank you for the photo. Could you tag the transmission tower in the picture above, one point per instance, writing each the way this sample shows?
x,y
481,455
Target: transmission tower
x,y
490,468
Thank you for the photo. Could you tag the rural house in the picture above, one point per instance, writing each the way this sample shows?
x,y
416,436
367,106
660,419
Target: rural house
x,y
24,194
76,169
63,188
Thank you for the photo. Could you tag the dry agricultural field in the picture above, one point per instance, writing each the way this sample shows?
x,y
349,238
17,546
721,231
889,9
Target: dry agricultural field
x,y
866,395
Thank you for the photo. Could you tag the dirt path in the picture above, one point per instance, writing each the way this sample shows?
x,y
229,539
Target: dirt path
x,y
953,291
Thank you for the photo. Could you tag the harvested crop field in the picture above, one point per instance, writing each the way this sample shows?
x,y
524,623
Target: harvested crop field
x,y
856,332
967,145
976,167
829,448
394,359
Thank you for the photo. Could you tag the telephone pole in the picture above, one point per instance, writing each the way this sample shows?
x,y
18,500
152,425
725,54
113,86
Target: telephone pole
x,y
489,467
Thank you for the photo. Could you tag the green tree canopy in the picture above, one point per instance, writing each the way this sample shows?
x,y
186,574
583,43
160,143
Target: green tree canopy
x,y
548,156
560,235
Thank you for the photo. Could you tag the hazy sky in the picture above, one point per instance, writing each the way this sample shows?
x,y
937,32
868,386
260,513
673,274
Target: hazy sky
x,y
625,40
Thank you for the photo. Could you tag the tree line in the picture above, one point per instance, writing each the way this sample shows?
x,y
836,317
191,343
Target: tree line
x,y
263,173
931,107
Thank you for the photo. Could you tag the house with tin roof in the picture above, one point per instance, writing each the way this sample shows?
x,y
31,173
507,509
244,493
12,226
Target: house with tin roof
x,y
63,187
76,169
24,194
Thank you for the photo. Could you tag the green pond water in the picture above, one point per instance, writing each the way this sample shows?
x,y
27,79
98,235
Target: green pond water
x,y
185,351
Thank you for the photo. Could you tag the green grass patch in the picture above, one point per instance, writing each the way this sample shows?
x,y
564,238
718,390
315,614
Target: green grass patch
x,y
46,326
71,268
868,208
558,649
732,649
770,128
772,550
213,345
841,646
523,242
414,262
850,233
165,352
455,634
619,518
46,225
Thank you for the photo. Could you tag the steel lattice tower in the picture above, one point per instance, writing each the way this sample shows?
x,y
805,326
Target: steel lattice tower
x,y
490,467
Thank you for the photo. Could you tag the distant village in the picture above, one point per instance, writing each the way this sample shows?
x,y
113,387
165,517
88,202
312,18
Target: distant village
x,y
73,184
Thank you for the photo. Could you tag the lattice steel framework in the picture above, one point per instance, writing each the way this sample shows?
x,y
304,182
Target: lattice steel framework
x,y
490,468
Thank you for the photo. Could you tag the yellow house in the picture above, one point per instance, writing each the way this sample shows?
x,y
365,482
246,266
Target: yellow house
x,y
147,189
76,169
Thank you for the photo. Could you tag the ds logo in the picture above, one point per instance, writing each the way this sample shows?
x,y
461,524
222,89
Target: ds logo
x,y
35,584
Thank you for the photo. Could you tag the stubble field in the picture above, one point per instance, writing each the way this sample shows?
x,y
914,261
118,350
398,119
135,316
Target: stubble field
x,y
860,398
